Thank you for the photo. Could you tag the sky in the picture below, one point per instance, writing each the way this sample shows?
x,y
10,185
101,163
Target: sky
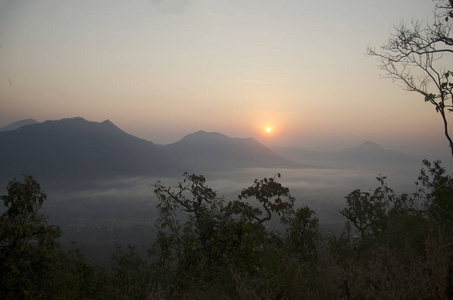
x,y
162,69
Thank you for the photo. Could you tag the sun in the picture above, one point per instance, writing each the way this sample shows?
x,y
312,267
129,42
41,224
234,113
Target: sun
x,y
268,129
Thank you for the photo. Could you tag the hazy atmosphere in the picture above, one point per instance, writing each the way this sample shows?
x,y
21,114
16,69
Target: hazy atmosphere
x,y
226,149
161,69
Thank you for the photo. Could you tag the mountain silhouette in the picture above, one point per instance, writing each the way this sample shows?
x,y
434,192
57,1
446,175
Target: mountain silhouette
x,y
18,124
368,146
215,151
79,149
366,155
76,149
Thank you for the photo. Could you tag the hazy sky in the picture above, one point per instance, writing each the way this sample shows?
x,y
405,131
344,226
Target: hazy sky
x,y
161,69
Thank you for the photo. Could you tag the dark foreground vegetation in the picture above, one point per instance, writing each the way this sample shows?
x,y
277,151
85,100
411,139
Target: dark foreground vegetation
x,y
392,247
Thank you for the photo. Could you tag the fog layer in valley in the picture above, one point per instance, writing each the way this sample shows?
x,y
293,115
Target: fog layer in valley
x,y
123,211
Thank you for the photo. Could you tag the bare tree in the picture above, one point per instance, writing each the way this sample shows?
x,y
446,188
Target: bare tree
x,y
417,56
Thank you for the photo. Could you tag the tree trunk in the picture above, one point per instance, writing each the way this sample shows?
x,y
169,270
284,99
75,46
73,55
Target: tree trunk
x,y
447,134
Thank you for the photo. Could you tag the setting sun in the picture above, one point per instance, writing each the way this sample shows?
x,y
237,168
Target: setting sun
x,y
268,129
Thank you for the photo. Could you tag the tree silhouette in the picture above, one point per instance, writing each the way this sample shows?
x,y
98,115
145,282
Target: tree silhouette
x,y
28,245
416,55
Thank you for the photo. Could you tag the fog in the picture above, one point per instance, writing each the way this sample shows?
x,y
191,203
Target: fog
x,y
105,213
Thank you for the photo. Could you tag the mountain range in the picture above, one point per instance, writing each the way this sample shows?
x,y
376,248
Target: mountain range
x,y
366,155
77,149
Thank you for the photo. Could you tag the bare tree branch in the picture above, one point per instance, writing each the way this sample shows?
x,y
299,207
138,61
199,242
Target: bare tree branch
x,y
414,55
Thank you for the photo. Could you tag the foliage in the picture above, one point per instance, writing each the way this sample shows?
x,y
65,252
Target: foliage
x,y
28,245
131,273
401,250
368,212
392,246
85,281
221,241
264,191
436,190
417,56
302,234
32,263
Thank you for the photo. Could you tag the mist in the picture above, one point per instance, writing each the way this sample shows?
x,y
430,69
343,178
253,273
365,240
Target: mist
x,y
103,214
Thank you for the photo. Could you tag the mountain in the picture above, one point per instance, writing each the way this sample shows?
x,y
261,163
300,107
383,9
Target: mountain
x,y
372,154
18,124
215,151
366,155
76,149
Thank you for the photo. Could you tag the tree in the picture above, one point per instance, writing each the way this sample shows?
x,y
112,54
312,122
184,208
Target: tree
x,y
130,273
190,246
273,197
416,56
205,241
28,245
368,212
435,188
302,233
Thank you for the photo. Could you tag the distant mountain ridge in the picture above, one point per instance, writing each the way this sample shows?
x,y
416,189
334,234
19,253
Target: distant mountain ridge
x,y
19,124
367,146
366,155
76,149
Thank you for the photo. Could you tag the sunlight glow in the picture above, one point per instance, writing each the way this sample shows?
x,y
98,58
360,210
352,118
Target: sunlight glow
x,y
268,129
